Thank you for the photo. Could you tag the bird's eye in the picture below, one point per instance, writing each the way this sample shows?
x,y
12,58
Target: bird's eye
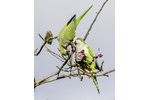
x,y
75,43
82,51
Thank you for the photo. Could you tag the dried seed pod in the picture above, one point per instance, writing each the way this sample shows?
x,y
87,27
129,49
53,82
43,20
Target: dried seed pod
x,y
48,37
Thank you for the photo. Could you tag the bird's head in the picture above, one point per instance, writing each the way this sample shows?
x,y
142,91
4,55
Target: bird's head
x,y
79,43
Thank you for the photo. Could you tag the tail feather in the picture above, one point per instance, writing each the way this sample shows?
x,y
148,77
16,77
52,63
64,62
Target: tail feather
x,y
95,82
80,17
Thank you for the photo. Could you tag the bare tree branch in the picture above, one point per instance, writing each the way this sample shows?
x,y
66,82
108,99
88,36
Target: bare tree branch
x,y
94,21
55,54
47,80
40,49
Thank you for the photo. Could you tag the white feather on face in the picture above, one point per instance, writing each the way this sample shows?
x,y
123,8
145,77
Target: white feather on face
x,y
79,45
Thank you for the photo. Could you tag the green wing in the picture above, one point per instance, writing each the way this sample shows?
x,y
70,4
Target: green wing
x,y
90,51
67,33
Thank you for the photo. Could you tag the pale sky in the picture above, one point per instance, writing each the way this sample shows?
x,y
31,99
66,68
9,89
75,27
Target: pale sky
x,y
52,15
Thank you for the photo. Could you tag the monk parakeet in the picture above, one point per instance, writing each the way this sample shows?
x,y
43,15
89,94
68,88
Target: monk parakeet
x,y
67,33
85,59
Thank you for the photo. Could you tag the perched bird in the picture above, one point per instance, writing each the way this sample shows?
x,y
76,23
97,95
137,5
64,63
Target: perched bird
x,y
67,33
85,59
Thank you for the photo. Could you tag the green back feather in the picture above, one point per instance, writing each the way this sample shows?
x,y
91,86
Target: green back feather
x,y
67,33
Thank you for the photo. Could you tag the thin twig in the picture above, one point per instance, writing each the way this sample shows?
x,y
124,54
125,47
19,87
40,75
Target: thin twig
x,y
64,64
70,55
35,51
40,49
105,73
94,21
55,54
41,36
54,37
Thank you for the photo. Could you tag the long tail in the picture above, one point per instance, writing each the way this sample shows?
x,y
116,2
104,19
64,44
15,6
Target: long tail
x,y
80,17
95,82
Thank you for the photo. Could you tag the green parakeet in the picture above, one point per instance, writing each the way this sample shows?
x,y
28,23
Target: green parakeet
x,y
85,59
67,33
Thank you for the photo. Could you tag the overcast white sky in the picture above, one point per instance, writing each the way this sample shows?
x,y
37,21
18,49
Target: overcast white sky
x,y
52,15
